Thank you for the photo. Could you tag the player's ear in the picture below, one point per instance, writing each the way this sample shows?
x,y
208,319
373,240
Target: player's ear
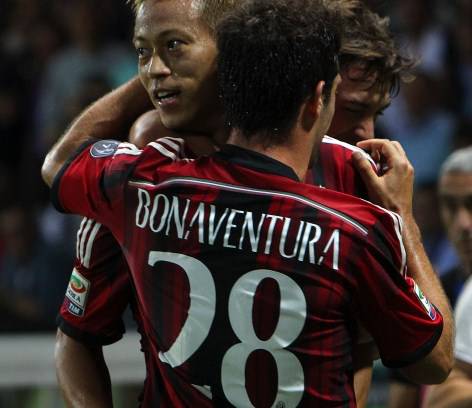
x,y
316,102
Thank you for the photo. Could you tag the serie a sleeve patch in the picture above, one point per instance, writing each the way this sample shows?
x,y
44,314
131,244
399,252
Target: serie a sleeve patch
x,y
430,309
77,293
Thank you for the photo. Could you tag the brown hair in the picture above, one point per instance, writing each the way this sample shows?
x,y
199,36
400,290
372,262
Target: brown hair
x,y
369,44
211,11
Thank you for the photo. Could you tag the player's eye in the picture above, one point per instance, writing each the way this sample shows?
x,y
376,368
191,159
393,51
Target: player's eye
x,y
174,44
143,52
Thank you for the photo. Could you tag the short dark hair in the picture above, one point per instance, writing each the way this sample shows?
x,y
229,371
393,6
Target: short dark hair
x,y
211,11
368,43
272,54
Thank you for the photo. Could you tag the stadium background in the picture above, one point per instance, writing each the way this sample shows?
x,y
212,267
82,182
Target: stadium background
x,y
57,56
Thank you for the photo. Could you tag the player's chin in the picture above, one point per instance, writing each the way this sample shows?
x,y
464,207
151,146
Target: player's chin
x,y
175,121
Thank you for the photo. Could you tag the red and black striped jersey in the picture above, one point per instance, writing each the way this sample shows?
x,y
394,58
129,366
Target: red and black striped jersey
x,y
243,273
99,289
334,168
96,316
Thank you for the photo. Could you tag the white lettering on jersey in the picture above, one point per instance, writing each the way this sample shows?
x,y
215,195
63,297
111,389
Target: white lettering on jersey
x,y
235,229
248,229
309,242
199,323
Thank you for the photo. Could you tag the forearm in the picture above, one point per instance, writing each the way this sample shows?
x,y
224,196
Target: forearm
x,y
421,270
110,117
82,374
362,361
455,392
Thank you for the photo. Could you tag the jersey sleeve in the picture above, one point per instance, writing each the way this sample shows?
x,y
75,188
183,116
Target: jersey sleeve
x,y
401,320
99,289
88,184
93,181
91,184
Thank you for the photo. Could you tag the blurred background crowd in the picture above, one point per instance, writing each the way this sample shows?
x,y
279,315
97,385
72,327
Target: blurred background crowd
x,y
57,56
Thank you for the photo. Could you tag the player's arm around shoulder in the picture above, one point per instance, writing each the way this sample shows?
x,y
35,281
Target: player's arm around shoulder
x,y
108,118
394,190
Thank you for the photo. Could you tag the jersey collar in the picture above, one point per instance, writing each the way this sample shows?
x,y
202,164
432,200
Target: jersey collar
x,y
257,161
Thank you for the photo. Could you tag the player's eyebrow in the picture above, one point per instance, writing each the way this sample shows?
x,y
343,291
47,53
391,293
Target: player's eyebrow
x,y
171,31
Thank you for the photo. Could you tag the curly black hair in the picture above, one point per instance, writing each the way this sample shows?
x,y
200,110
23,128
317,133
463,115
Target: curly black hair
x,y
272,54
211,11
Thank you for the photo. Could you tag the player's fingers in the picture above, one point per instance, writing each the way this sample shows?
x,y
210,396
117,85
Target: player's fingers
x,y
390,154
364,167
399,147
400,162
373,148
372,144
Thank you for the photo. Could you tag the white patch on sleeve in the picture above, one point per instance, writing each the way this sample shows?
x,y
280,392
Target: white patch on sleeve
x,y
425,302
77,292
104,148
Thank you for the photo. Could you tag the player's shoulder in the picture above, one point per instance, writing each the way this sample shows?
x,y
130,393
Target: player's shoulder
x,y
169,149
370,216
161,156
378,226
335,147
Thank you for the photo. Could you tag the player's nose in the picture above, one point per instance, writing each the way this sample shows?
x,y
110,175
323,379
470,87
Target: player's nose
x,y
157,67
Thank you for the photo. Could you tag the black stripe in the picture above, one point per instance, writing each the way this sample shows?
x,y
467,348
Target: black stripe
x,y
84,336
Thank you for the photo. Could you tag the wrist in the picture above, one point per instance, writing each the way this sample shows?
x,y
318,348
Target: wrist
x,y
411,232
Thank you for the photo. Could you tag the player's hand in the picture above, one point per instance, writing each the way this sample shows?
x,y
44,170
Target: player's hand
x,y
393,187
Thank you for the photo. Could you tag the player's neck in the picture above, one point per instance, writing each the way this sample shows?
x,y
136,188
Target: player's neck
x,y
295,153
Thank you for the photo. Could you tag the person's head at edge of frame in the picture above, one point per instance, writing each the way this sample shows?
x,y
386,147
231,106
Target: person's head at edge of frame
x,y
176,47
372,67
278,70
455,198
175,42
